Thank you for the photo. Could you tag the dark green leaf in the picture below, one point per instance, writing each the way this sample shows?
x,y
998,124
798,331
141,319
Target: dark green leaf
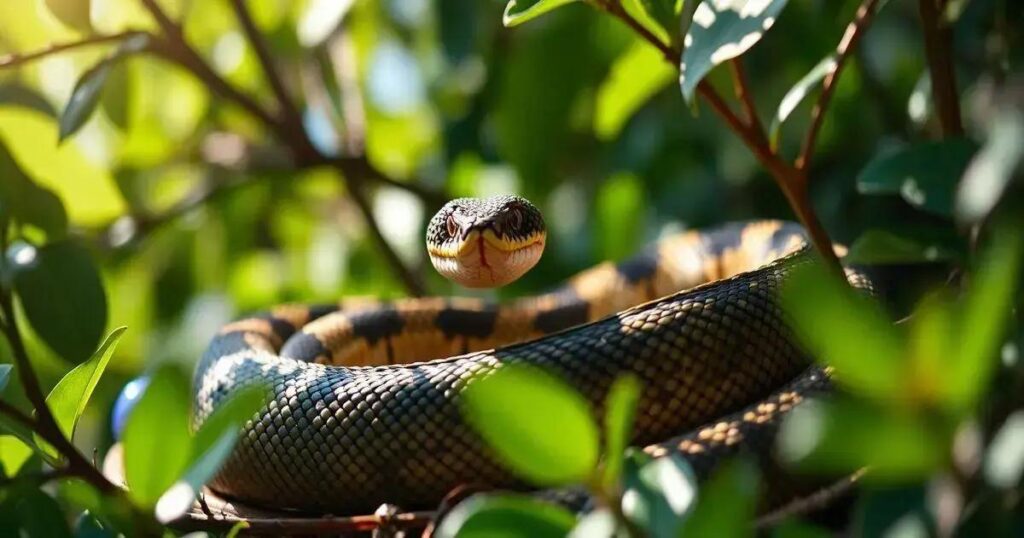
x,y
156,439
520,11
74,13
618,426
885,511
88,526
986,314
15,93
501,516
794,529
726,503
68,399
844,435
846,330
555,447
664,13
796,94
880,247
5,375
229,417
720,32
41,516
62,295
925,175
27,202
660,492
116,96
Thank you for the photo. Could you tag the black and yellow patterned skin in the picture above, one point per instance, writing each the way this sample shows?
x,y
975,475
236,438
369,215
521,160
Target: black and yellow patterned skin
x,y
354,423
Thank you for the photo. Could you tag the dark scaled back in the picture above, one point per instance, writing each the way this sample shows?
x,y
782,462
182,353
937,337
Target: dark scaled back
x,y
508,215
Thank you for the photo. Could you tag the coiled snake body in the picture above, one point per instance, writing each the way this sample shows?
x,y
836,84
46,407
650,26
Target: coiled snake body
x,y
348,428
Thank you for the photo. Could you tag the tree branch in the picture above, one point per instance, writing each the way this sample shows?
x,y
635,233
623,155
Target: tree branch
x,y
614,7
938,37
16,59
854,31
745,98
17,415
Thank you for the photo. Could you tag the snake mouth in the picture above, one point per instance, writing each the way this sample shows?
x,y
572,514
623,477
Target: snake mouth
x,y
484,259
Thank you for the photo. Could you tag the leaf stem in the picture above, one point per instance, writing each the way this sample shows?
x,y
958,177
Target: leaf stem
x,y
938,37
16,59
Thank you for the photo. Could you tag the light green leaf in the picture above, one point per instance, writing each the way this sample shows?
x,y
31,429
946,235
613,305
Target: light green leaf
x,y
68,399
62,295
179,497
14,452
847,330
229,417
636,76
619,214
843,435
539,426
74,13
520,11
925,175
663,12
116,97
507,516
796,94
986,313
880,247
618,425
720,32
660,491
156,439
726,503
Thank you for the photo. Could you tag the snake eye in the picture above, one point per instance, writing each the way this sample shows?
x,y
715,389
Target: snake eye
x,y
452,227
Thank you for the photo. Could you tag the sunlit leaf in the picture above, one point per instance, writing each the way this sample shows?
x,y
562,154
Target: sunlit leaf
x,y
62,295
68,399
659,493
116,96
796,94
179,497
507,516
556,446
14,452
843,435
618,425
663,12
924,175
846,330
156,439
986,314
930,339
992,167
635,77
520,11
319,19
726,502
619,216
720,32
881,247
74,13
1004,460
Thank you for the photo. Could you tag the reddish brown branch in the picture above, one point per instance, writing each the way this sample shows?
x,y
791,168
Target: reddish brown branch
x,y
290,526
854,32
938,38
19,58
746,99
614,7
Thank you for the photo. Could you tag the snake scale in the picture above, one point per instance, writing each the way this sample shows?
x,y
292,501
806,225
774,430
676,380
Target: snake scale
x,y
354,423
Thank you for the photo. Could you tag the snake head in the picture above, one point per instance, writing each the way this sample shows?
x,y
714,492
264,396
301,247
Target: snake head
x,y
486,242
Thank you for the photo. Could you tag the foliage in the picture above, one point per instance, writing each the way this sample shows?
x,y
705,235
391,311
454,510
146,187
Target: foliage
x,y
165,165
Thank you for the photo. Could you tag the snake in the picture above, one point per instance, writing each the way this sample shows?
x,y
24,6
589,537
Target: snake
x,y
366,395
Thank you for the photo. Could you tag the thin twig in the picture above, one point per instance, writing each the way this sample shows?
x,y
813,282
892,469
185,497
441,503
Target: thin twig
x,y
938,38
615,8
291,526
854,31
745,98
19,58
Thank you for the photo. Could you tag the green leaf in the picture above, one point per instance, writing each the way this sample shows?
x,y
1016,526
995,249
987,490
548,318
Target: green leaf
x,y
520,11
229,417
27,202
726,503
881,247
554,447
796,94
843,435
720,32
661,491
664,13
618,426
156,440
501,516
888,511
619,210
116,96
62,296
846,330
17,94
797,529
14,452
5,375
925,175
74,13
41,516
179,497
636,76
992,168
986,313
68,399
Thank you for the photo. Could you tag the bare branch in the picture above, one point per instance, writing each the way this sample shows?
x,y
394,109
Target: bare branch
x,y
938,38
292,526
20,58
854,31
746,99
